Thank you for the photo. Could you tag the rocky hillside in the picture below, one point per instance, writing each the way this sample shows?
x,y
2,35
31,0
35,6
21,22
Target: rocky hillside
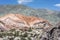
x,y
50,15
18,21
34,24
21,27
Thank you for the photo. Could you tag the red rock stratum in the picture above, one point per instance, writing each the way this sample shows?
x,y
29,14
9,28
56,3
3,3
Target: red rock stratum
x,y
18,21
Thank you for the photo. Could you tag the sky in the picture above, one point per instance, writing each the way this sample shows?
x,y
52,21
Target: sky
x,y
47,4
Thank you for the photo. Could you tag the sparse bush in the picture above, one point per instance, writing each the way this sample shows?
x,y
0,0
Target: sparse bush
x,y
31,34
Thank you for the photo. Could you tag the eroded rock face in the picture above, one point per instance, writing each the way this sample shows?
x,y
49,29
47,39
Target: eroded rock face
x,y
55,33
18,21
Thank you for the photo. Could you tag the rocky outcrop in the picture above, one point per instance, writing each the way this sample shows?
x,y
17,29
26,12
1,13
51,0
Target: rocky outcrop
x,y
55,32
18,21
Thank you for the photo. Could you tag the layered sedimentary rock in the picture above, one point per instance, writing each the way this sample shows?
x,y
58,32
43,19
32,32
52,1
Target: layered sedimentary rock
x,y
18,21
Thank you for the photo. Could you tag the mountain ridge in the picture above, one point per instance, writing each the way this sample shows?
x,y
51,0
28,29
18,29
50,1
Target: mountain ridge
x,y
50,15
17,21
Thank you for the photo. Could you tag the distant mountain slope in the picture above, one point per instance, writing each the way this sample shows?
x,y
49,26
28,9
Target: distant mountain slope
x,y
50,15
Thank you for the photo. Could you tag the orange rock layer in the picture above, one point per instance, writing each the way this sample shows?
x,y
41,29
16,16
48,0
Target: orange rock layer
x,y
19,21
